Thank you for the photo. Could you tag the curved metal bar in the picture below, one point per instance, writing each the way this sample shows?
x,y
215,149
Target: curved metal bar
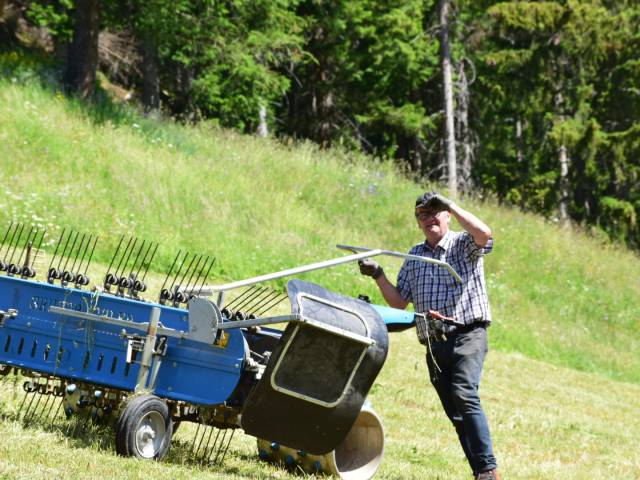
x,y
363,253
407,256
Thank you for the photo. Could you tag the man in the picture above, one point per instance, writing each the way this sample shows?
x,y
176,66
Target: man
x,y
455,362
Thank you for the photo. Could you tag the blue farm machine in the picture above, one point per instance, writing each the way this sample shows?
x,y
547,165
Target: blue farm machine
x,y
197,354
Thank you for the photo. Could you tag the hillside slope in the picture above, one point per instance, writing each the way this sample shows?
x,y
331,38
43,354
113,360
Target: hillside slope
x,y
259,206
562,301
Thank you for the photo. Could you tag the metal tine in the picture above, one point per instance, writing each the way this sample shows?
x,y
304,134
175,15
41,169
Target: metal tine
x,y
64,249
195,269
115,254
195,283
13,252
195,436
75,259
215,444
26,394
204,265
10,243
68,255
52,397
224,454
256,298
250,298
242,295
224,436
170,270
277,302
144,275
135,260
27,248
55,415
280,300
30,403
255,290
124,267
55,253
186,271
143,259
124,253
90,256
213,260
27,419
26,244
266,291
206,447
33,261
6,234
44,407
204,433
260,304
173,284
84,254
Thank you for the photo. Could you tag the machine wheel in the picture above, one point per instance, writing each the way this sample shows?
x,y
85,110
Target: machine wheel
x,y
144,428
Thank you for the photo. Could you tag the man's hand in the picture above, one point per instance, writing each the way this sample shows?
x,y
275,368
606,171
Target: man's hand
x,y
440,203
370,268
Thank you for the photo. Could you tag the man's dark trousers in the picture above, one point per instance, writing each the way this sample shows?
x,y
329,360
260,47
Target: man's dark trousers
x,y
460,359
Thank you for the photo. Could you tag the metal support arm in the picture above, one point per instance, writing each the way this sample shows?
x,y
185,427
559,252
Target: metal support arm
x,y
364,253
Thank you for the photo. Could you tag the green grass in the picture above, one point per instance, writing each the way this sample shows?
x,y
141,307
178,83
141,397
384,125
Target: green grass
x,y
561,383
547,423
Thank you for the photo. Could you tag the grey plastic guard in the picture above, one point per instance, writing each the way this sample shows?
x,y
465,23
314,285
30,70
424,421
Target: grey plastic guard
x,y
204,318
316,382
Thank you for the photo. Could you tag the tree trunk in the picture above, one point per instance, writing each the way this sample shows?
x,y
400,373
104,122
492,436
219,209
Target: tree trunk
x,y
519,152
464,134
447,91
563,159
150,78
82,60
416,155
564,183
323,108
263,129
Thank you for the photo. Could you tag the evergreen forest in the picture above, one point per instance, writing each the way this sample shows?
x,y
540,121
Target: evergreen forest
x,y
535,103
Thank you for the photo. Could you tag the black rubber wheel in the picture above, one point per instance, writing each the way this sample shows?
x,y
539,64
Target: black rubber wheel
x,y
144,428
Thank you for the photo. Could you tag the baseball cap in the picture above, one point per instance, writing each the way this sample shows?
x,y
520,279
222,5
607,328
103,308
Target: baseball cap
x,y
423,200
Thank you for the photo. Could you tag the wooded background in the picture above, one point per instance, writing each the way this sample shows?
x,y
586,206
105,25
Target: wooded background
x,y
537,103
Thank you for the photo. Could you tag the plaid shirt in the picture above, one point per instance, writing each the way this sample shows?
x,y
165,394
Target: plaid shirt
x,y
430,287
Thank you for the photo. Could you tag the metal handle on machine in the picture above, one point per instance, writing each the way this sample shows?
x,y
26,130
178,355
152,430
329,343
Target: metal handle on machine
x,y
296,318
144,326
365,253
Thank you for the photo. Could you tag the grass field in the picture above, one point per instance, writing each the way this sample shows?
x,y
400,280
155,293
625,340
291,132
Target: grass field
x,y
547,422
562,381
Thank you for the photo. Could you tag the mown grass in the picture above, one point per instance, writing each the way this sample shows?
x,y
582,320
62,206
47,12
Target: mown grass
x,y
547,423
561,384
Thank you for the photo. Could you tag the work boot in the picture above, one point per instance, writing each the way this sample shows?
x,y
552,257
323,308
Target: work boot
x,y
489,475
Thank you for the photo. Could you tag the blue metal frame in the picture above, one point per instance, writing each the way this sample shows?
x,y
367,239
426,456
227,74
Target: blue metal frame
x,y
95,352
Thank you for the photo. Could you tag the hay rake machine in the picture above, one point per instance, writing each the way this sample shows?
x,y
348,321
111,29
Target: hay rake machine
x,y
107,355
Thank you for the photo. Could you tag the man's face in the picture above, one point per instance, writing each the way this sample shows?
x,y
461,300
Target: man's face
x,y
433,224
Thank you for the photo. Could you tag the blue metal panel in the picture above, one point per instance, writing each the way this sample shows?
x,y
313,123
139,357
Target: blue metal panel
x,y
394,318
95,352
